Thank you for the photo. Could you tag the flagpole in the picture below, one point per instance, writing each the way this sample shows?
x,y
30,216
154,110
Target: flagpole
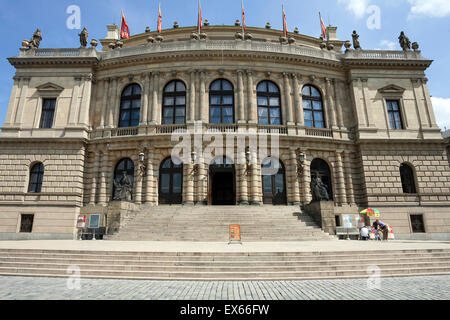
x,y
198,19
243,19
320,22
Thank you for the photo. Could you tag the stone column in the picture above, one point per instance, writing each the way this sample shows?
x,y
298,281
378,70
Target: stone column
x,y
145,98
306,181
190,177
241,102
105,82
341,194
155,92
428,104
102,198
149,178
138,179
83,117
298,101
358,103
191,111
10,115
243,187
338,96
252,105
116,104
348,165
111,102
287,98
295,197
22,101
255,180
75,104
330,104
95,170
204,114
367,107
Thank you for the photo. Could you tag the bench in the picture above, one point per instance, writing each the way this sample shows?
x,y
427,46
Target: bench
x,y
347,232
88,233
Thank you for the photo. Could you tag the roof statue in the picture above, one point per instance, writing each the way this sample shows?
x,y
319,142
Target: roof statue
x,y
356,43
404,42
84,38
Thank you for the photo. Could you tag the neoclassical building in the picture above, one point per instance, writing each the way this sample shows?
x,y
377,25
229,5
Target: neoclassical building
x,y
91,131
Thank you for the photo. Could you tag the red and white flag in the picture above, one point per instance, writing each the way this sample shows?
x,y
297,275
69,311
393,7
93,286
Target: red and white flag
x,y
322,25
159,19
285,29
243,16
200,19
124,30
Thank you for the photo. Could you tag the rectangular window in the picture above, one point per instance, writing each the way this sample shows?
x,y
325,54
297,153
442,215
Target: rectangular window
x,y
394,114
48,112
26,223
417,223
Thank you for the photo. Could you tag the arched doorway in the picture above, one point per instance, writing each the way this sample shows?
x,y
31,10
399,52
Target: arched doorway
x,y
170,182
320,169
274,182
222,176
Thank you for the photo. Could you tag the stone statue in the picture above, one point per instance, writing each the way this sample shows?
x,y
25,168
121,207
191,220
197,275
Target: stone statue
x,y
84,38
356,43
319,190
36,40
123,188
404,42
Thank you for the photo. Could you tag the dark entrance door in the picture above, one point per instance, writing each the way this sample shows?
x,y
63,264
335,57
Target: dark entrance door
x,y
170,183
223,186
274,184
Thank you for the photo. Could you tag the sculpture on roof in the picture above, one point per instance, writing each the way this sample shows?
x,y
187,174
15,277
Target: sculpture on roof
x,y
36,40
356,43
84,38
404,42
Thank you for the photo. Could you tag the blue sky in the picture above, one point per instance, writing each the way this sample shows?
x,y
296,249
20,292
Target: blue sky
x,y
424,21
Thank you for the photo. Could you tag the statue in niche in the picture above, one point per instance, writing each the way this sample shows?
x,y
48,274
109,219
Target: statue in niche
x,y
123,188
319,190
84,35
404,42
356,43
36,40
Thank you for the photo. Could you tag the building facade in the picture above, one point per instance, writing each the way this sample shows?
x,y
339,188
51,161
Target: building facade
x,y
88,129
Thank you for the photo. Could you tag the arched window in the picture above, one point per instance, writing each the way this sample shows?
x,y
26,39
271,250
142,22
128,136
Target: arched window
x,y
313,107
408,181
130,106
269,103
174,103
320,169
36,178
221,102
170,182
124,169
274,182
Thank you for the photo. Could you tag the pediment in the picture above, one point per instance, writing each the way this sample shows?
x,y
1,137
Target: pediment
x,y
392,88
50,87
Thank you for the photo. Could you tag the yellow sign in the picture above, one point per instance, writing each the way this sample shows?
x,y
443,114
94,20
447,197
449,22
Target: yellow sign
x,y
235,233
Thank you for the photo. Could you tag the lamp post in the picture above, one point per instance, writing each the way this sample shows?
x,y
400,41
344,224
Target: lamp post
x,y
300,162
142,166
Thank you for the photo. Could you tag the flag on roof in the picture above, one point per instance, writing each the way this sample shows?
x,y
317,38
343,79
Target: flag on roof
x,y
322,25
285,29
200,19
243,16
124,30
159,19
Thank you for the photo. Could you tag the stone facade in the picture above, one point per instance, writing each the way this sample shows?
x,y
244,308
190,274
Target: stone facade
x,y
82,148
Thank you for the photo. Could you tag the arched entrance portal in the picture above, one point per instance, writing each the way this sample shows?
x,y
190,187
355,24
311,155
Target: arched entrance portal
x,y
274,182
222,177
170,182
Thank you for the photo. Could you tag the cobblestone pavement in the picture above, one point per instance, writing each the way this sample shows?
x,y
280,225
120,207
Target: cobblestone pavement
x,y
411,288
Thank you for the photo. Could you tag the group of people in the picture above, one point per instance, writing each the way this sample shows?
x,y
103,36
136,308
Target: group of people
x,y
377,227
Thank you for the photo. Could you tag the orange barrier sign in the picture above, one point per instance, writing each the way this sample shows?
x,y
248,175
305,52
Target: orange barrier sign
x,y
235,233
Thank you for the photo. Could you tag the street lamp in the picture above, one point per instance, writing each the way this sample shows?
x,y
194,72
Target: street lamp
x,y
142,166
300,162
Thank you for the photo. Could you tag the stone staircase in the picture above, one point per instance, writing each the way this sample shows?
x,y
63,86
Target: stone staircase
x,y
202,223
224,265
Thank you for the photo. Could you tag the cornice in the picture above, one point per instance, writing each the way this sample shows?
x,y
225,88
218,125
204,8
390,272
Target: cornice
x,y
54,61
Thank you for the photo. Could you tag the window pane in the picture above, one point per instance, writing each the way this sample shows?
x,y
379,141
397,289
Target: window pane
x,y
308,115
317,105
181,101
306,91
136,90
168,101
320,124
126,104
275,121
318,116
227,120
165,183
181,87
168,112
262,87
228,100
263,120
170,87
167,164
180,112
215,112
307,104
267,182
135,115
315,93
273,88
125,116
279,183
227,86
134,122
274,102
168,120
216,99
263,102
275,112
215,86
215,120
177,181
179,120
308,124
127,91
263,112
227,111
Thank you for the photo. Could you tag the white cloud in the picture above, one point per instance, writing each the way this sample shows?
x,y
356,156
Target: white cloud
x,y
429,8
358,7
442,110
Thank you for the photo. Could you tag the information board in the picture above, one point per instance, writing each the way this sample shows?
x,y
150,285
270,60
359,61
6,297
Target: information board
x,y
94,221
235,233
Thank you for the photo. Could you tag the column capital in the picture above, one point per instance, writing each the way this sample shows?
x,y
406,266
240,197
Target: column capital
x,y
155,73
285,74
240,71
249,72
193,71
